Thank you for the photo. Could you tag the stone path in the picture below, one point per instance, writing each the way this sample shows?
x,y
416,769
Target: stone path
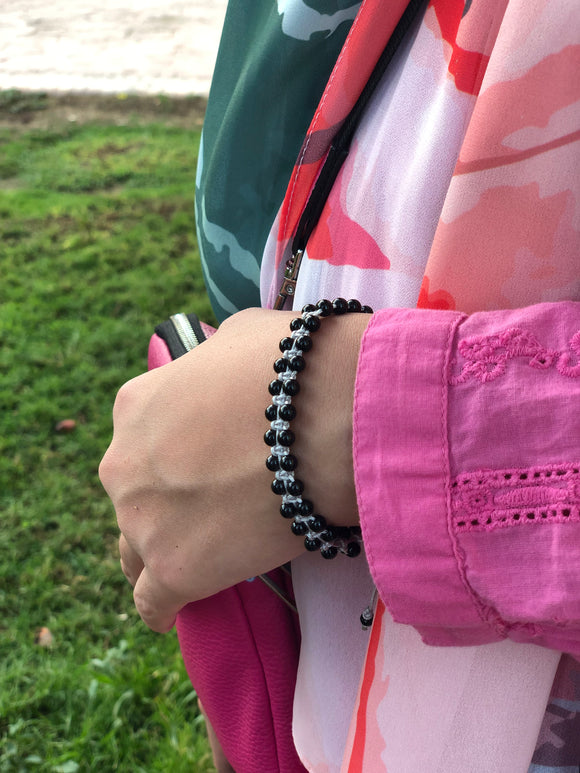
x,y
109,46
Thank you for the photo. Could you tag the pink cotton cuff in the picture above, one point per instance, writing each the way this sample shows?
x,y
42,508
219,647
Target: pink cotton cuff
x,y
401,466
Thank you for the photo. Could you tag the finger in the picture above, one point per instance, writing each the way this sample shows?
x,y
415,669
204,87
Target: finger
x,y
157,605
131,562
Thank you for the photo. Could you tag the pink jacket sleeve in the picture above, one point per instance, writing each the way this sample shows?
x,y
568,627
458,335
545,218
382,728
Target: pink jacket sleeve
x,y
467,467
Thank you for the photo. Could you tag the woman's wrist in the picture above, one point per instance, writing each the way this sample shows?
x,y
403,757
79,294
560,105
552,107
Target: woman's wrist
x,y
323,424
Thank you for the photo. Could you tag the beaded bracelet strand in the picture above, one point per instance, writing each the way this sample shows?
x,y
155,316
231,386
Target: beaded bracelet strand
x,y
318,535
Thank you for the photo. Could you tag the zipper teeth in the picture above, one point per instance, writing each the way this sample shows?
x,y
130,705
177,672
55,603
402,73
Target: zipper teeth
x,y
184,331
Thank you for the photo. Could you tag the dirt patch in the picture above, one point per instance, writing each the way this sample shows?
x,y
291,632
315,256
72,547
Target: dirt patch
x,y
49,111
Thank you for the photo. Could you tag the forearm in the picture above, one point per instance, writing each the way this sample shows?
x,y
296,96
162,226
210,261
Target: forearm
x,y
324,420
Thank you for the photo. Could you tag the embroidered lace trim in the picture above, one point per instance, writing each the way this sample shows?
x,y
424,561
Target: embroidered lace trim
x,y
491,499
486,357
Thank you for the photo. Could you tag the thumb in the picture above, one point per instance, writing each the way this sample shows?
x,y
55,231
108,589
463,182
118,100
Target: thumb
x,y
157,605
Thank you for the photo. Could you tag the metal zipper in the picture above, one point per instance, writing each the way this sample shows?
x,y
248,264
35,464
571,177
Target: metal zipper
x,y
184,331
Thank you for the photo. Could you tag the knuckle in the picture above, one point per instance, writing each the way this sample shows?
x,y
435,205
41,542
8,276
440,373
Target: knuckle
x,y
113,476
126,397
126,571
143,604
149,613
107,470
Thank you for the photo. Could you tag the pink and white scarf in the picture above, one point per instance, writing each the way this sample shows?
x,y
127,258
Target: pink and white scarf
x,y
462,191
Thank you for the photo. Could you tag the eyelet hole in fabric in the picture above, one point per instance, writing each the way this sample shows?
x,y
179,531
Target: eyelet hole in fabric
x,y
493,499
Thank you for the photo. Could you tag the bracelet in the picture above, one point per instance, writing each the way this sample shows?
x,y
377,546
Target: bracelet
x,y
318,535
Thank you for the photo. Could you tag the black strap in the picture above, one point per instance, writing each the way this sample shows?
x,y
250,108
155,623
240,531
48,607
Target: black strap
x,y
340,145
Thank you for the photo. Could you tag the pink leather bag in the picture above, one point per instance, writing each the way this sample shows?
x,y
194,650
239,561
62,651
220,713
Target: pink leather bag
x,y
240,647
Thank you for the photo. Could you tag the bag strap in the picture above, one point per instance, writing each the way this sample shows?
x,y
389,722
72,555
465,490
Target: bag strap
x,y
338,153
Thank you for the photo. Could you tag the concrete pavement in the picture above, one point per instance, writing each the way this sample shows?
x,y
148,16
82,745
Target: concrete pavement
x,y
109,46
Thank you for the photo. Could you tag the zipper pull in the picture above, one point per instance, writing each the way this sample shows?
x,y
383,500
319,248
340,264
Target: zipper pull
x,y
288,287
368,614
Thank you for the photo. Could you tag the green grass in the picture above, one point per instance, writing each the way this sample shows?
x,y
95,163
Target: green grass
x,y
97,245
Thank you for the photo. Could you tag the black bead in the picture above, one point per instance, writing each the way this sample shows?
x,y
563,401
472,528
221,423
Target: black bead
x,y
353,549
286,344
312,324
294,487
270,437
305,507
328,535
304,343
297,363
288,462
325,307
272,413
287,510
291,388
366,310
273,463
278,487
280,365
309,308
354,306
299,528
286,437
316,523
296,324
339,306
275,387
328,551
286,412
311,544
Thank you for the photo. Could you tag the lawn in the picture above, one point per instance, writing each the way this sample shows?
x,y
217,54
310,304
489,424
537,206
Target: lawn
x,y
97,245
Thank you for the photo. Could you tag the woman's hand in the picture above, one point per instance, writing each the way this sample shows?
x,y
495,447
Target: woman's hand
x,y
186,467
